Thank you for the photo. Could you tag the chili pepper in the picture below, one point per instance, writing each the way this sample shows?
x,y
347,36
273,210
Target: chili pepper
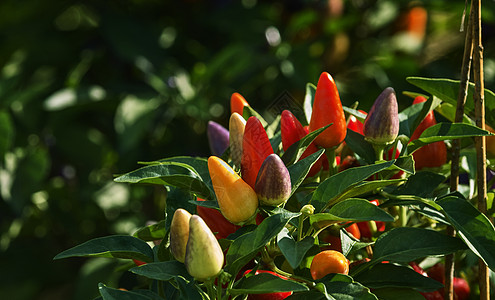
x,y
354,124
218,138
179,233
273,185
220,226
269,296
327,262
237,200
461,288
204,256
327,109
292,131
381,125
255,149
237,103
437,272
236,128
431,155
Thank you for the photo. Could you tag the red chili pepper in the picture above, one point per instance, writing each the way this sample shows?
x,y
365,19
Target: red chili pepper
x,y
461,288
270,296
292,131
327,108
237,103
354,124
255,149
220,226
431,155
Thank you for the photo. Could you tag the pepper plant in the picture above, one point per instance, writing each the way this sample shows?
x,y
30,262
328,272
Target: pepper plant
x,y
267,224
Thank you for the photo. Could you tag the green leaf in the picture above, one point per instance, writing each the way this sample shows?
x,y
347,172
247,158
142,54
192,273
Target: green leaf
x,y
170,173
293,251
445,131
275,142
405,244
360,146
116,294
447,90
264,283
274,127
198,164
352,210
189,289
365,187
152,232
164,271
474,228
299,170
296,150
421,184
448,111
359,115
410,117
250,112
308,101
340,182
360,210
245,247
350,244
177,198
116,246
343,287
390,275
397,293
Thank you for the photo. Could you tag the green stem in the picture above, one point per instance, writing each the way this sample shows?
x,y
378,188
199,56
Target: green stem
x,y
299,230
333,168
219,288
403,216
275,269
209,288
379,149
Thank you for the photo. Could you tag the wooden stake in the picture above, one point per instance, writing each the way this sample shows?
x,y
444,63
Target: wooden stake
x,y
479,106
456,147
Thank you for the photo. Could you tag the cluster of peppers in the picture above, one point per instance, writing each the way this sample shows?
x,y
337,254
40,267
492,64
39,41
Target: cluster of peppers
x,y
257,175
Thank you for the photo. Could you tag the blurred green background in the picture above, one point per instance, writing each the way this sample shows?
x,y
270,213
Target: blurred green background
x,y
89,88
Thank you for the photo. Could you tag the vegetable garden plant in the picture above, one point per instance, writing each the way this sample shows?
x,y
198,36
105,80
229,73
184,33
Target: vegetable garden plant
x,y
353,206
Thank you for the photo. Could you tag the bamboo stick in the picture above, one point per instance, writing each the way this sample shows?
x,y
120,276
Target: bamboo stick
x,y
479,106
456,147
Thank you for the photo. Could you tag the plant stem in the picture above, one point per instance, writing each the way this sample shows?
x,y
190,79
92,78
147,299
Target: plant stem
x,y
275,269
299,230
379,149
333,168
209,288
